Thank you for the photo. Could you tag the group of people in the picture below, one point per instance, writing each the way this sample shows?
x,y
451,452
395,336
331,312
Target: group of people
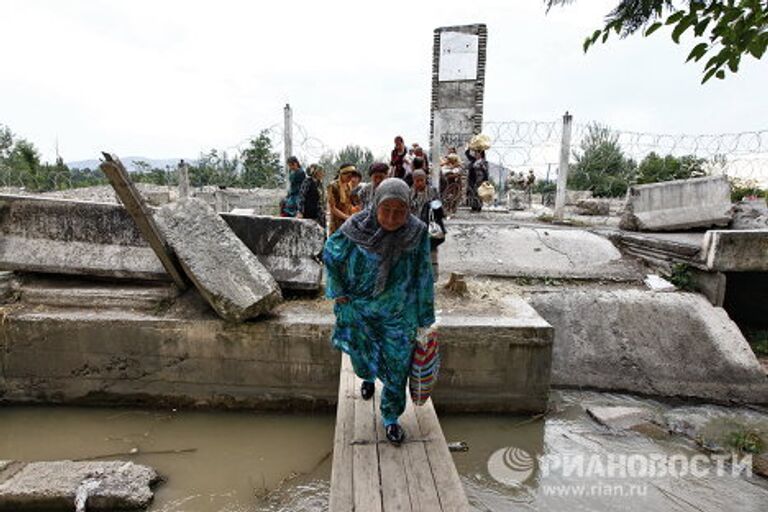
x,y
381,259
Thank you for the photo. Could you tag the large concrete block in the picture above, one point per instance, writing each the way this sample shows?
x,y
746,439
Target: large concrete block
x,y
226,273
679,204
73,237
61,236
662,344
736,251
55,485
289,248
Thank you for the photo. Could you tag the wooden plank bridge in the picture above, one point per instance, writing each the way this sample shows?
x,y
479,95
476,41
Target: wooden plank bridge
x,y
371,475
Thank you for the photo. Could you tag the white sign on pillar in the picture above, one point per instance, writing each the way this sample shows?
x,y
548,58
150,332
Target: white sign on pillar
x,y
458,56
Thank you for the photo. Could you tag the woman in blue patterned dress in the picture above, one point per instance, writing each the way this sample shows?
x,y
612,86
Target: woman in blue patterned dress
x,y
380,275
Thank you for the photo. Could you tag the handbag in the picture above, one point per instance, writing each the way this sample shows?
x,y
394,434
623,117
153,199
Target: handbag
x,y
434,229
425,366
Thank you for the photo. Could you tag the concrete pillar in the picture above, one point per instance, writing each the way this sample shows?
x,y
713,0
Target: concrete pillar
x,y
287,141
183,179
458,86
562,175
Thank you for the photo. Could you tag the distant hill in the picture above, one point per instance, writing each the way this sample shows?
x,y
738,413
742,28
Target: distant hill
x,y
128,161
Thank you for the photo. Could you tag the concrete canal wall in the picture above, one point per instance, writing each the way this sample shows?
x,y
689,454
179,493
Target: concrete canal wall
x,y
188,357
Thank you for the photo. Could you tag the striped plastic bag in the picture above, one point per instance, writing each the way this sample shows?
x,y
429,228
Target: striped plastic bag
x,y
424,367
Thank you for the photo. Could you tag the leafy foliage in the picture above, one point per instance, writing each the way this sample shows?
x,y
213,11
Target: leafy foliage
x,y
727,30
681,276
261,165
654,168
601,165
746,441
360,157
741,188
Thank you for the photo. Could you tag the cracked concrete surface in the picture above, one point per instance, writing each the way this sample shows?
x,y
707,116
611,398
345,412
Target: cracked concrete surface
x,y
547,252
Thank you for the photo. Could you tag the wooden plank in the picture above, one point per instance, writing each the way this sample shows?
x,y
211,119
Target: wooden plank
x,y
134,204
421,483
343,470
365,456
395,493
447,481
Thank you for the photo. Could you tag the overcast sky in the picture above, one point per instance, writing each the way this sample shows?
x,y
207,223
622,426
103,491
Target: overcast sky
x,y
169,79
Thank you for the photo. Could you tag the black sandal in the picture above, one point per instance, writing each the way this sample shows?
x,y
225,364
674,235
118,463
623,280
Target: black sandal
x,y
395,434
367,389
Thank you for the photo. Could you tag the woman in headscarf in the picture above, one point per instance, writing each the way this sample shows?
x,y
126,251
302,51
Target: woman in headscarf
x,y
424,207
477,173
378,273
312,196
340,197
288,206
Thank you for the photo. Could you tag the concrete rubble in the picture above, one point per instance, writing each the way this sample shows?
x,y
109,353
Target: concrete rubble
x,y
660,344
72,237
750,215
290,250
55,485
225,272
620,417
736,251
61,236
658,284
678,205
593,207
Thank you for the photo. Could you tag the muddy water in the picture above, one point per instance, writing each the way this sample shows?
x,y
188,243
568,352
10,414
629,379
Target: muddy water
x,y
237,462
222,461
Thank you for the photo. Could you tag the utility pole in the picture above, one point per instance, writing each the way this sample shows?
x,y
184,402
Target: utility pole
x,y
562,174
287,141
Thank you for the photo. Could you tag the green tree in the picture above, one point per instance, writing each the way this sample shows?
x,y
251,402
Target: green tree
x,y
726,30
214,168
601,165
654,168
360,157
261,165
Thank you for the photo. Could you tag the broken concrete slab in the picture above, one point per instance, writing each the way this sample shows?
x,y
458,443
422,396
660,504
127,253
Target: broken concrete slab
x,y
74,237
660,344
678,205
736,250
657,283
61,236
137,207
289,248
620,417
225,272
511,250
74,293
111,485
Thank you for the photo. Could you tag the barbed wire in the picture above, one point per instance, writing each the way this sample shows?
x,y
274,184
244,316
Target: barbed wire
x,y
522,145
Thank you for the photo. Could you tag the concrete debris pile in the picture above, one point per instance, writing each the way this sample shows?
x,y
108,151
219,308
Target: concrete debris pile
x,y
68,485
678,205
750,215
238,264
